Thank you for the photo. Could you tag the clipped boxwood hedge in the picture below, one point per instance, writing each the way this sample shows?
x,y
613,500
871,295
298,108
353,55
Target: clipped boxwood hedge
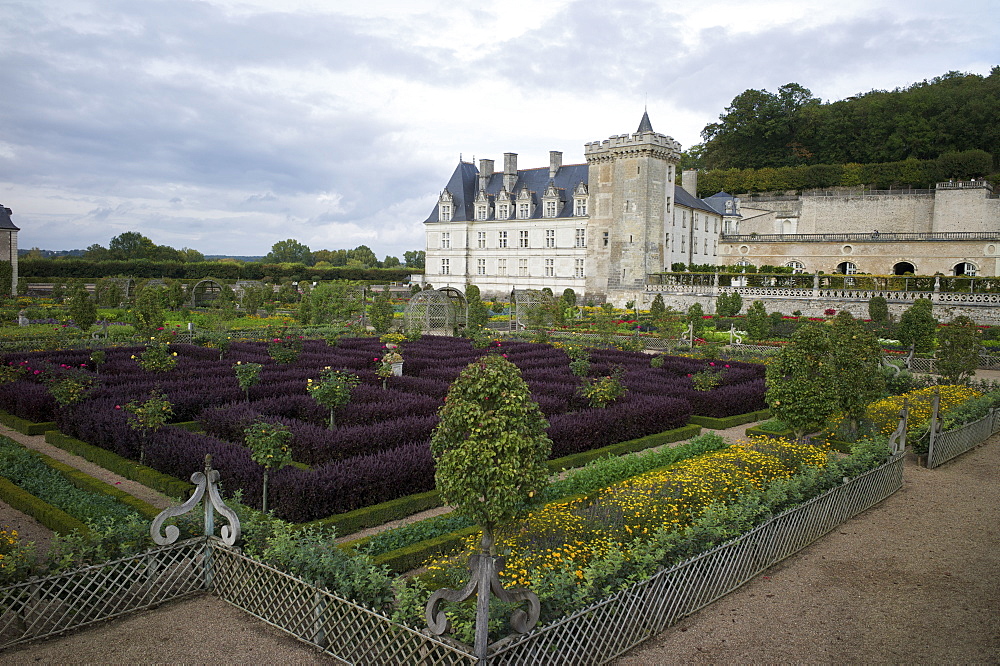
x,y
24,426
133,471
730,421
53,518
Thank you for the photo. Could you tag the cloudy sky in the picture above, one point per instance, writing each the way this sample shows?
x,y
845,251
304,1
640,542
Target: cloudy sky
x,y
228,125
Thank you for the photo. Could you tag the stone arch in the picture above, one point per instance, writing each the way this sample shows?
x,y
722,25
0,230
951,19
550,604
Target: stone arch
x,y
847,268
441,311
904,267
966,268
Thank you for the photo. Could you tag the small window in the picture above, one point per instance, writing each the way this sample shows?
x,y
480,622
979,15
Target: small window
x,y
445,241
550,267
480,267
482,212
796,266
501,267
445,213
581,238
523,211
550,209
580,209
606,237
481,240
578,269
550,238
522,267
503,212
502,240
523,238
446,267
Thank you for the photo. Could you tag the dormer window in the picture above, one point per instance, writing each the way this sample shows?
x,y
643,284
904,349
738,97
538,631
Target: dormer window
x,y
551,201
580,200
482,212
550,209
525,206
503,211
446,203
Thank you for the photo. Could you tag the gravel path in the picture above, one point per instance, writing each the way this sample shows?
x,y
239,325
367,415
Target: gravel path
x,y
915,579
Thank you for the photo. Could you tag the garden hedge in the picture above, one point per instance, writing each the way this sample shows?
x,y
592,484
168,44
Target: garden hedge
x,y
53,518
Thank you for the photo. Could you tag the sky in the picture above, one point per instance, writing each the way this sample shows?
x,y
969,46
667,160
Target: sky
x,y
228,125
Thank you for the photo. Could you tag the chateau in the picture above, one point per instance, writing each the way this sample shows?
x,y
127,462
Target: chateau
x,y
603,227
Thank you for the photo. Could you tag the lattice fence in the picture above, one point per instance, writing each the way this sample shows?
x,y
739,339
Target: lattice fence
x,y
610,627
953,443
340,628
47,606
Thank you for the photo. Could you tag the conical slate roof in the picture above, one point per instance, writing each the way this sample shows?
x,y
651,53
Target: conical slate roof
x,y
644,124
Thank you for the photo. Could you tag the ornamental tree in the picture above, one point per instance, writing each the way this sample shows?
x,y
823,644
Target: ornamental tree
x,y
958,350
82,308
247,374
758,323
918,325
332,390
380,311
490,447
148,416
801,381
269,448
857,360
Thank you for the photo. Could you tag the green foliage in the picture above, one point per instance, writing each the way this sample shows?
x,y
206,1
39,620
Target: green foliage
x,y
479,312
285,349
728,304
157,357
758,323
254,297
247,374
657,307
856,356
336,302
146,314
579,363
289,251
958,350
602,391
696,318
801,381
917,326
332,390
878,309
269,448
82,309
70,386
706,380
151,414
380,312
490,446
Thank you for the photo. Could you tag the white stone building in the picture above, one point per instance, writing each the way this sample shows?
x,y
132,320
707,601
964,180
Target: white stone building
x,y
598,228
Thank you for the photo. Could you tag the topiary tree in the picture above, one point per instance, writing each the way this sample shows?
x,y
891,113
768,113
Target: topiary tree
x,y
958,351
801,381
657,307
269,448
878,310
696,317
490,447
917,326
332,390
82,308
381,311
146,313
758,323
478,311
857,360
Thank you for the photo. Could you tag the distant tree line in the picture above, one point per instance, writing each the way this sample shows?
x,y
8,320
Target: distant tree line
x,y
953,113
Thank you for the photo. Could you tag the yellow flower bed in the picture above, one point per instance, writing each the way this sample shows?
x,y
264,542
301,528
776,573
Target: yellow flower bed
x,y
885,413
568,535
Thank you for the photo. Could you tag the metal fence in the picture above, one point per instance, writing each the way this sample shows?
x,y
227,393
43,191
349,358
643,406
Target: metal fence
x,y
54,604
953,443
355,634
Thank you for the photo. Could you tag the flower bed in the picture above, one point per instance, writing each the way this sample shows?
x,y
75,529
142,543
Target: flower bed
x,y
379,450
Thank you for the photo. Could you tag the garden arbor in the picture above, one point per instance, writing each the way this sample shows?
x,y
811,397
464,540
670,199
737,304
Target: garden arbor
x,y
443,310
205,292
532,308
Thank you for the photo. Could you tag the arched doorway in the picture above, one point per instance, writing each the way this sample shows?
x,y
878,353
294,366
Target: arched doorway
x,y
904,268
965,268
847,268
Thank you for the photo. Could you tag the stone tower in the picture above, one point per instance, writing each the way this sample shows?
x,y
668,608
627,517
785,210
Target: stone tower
x,y
631,184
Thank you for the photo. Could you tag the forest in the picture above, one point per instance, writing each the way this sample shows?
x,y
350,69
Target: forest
x,y
945,127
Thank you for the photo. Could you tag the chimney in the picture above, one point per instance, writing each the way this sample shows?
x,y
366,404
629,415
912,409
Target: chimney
x,y
509,171
555,161
485,171
689,181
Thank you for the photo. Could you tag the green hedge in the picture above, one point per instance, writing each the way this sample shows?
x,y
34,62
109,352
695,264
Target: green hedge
x,y
411,557
129,469
53,518
26,427
621,448
378,514
730,421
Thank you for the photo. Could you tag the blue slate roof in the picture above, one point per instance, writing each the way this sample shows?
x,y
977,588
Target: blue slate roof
x,y
684,198
464,184
5,221
718,202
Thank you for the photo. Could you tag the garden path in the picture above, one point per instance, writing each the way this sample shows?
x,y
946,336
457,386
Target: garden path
x,y
915,579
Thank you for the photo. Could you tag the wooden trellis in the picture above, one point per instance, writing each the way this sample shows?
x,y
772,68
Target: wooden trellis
x,y
441,311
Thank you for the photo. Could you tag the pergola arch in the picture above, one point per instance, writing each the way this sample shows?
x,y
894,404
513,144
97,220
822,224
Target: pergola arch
x,y
532,307
124,285
206,291
443,310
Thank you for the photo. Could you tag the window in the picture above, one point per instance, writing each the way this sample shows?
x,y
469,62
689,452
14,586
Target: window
x,y
501,267
503,212
550,209
966,268
445,241
523,211
682,243
580,208
684,219
480,267
482,212
502,240
523,238
578,269
481,240
550,267
696,217
606,236
581,238
706,246
796,266
522,267
550,238
446,267
445,213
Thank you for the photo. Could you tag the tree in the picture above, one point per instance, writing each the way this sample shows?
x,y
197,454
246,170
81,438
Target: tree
x,y
82,308
414,258
490,446
391,262
381,311
191,256
958,350
363,255
269,448
289,251
340,302
758,323
917,326
147,311
131,245
696,317
878,310
332,390
479,313
801,381
657,307
857,360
